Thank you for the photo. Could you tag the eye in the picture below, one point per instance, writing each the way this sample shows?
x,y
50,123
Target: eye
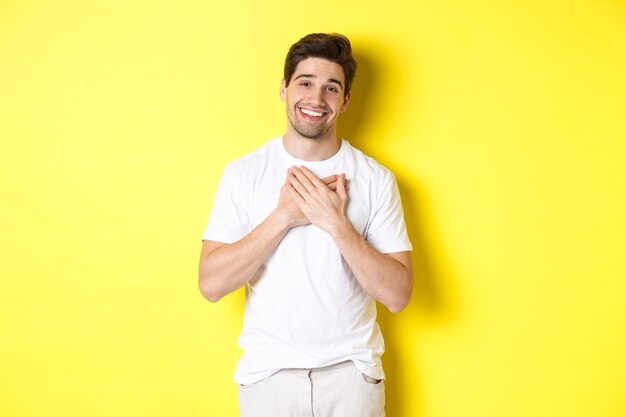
x,y
305,83
332,89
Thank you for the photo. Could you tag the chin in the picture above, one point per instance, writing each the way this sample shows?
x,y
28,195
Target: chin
x,y
313,135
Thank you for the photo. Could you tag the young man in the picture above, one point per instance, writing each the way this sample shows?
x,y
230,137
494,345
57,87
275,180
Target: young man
x,y
314,230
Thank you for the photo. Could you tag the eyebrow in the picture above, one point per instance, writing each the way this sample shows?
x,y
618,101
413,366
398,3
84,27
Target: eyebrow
x,y
332,80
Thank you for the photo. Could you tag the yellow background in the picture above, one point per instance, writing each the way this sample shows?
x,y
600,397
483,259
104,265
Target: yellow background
x,y
504,122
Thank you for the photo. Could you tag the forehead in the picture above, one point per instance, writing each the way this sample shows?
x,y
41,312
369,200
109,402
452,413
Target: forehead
x,y
320,68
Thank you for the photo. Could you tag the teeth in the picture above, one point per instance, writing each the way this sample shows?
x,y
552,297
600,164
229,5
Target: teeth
x,y
312,113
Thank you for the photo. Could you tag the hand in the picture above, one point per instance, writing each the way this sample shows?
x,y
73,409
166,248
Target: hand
x,y
319,203
291,209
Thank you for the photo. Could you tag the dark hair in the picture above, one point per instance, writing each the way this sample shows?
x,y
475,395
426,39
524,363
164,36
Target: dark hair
x,y
331,46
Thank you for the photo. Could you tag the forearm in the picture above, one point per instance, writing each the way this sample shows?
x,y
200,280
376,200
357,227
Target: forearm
x,y
230,266
384,278
387,278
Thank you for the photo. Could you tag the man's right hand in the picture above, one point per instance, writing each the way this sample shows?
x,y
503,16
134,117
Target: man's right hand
x,y
288,206
224,267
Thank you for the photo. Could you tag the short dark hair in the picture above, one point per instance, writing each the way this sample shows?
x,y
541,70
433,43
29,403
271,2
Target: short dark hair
x,y
331,46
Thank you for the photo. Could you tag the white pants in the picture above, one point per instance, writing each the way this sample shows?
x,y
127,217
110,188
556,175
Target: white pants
x,y
334,391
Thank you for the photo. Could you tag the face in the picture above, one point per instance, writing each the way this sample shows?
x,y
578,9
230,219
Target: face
x,y
315,97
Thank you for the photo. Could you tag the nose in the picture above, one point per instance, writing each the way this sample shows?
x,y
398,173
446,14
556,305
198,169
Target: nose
x,y
317,97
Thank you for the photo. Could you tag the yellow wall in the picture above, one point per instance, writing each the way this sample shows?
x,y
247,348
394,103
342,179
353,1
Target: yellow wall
x,y
505,123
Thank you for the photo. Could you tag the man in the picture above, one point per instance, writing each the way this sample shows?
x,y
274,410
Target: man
x,y
314,230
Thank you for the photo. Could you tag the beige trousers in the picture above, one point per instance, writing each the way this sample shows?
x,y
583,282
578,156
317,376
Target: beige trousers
x,y
334,391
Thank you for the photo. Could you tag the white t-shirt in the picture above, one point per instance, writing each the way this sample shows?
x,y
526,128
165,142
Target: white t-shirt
x,y
304,308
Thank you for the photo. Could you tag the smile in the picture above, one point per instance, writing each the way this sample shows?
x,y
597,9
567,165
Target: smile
x,y
311,114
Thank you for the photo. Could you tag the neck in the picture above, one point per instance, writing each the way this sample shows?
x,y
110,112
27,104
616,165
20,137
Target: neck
x,y
311,150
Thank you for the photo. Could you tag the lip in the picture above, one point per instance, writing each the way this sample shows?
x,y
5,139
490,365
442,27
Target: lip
x,y
311,118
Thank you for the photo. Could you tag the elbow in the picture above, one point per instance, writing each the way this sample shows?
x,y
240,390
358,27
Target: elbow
x,y
400,302
209,291
212,297
397,306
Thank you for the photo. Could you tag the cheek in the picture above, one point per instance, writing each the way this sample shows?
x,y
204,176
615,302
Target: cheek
x,y
339,103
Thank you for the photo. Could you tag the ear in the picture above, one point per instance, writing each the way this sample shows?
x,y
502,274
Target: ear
x,y
346,100
283,90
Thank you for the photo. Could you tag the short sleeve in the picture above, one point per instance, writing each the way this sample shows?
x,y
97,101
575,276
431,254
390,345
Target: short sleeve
x,y
386,231
228,221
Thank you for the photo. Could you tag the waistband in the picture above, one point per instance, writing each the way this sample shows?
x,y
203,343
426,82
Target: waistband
x,y
334,367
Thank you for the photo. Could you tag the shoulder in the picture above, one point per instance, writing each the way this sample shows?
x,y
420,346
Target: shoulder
x,y
250,164
367,165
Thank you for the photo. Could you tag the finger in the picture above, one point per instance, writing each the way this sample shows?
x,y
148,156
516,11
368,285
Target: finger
x,y
294,183
304,179
287,183
296,197
333,185
341,187
330,179
311,177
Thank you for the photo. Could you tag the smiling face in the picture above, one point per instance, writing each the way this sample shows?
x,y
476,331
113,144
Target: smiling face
x,y
315,97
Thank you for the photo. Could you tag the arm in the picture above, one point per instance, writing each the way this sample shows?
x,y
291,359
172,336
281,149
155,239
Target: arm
x,y
388,278
226,267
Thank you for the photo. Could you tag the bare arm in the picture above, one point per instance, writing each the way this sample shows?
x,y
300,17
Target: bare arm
x,y
226,267
388,278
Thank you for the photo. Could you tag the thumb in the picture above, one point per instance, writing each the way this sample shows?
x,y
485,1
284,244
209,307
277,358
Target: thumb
x,y
287,176
341,187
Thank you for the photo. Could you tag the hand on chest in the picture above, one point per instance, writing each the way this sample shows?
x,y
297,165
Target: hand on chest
x,y
265,194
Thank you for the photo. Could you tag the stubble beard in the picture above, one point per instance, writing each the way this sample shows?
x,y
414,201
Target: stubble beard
x,y
308,131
